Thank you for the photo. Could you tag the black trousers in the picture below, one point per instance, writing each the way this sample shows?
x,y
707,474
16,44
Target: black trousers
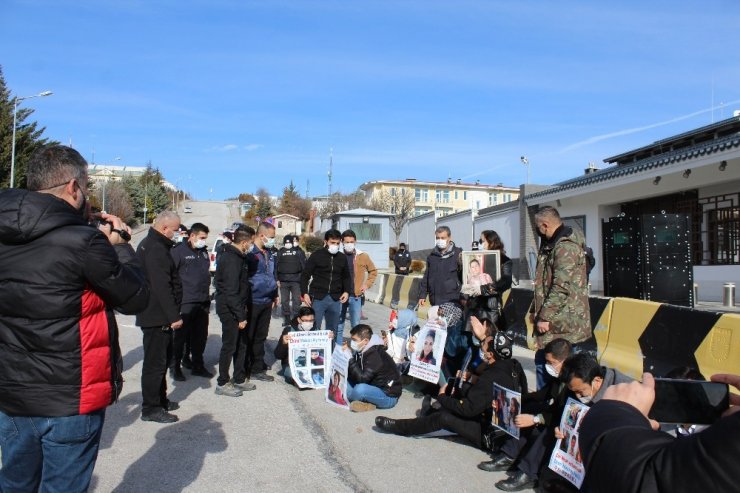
x,y
257,329
233,348
290,290
532,450
157,353
442,420
191,338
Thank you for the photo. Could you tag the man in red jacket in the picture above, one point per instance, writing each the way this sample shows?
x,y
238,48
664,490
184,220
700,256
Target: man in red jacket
x,y
60,280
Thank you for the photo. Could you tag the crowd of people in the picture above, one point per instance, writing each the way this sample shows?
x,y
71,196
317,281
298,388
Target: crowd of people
x,y
61,366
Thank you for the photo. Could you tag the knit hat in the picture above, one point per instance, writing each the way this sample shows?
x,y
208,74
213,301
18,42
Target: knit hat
x,y
501,345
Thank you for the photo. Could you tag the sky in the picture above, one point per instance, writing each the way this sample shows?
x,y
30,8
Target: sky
x,y
227,96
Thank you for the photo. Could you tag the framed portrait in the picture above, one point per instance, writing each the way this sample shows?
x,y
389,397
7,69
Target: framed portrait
x,y
481,266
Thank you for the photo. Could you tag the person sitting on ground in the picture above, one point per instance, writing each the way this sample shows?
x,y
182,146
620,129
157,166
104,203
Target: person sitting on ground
x,y
611,431
468,413
373,378
304,321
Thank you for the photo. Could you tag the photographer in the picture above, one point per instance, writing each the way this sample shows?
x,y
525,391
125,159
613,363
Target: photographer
x,y
60,281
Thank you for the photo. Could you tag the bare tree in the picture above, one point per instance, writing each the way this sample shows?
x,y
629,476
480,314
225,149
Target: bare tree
x,y
400,205
117,200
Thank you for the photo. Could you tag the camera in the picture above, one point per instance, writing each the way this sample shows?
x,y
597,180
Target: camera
x,y
96,221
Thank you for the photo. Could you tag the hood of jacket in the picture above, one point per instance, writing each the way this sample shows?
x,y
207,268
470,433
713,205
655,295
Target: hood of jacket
x,y
26,215
375,340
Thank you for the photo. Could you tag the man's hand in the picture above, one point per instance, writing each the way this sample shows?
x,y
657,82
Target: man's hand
x,y
306,299
559,434
640,395
543,327
242,325
176,325
524,420
422,301
412,344
442,389
478,330
733,380
344,298
116,224
286,339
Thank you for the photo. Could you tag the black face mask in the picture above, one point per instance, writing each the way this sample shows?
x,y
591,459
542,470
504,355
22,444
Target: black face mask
x,y
83,208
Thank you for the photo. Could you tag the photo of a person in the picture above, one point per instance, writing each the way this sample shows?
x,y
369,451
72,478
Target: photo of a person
x,y
564,442
303,377
513,413
573,447
335,389
572,416
317,375
300,358
476,276
426,354
317,357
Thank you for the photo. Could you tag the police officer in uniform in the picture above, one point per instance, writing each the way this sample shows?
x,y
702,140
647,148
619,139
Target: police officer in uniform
x,y
289,263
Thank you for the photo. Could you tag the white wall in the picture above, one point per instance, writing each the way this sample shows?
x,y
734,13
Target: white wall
x,y
506,224
420,233
461,227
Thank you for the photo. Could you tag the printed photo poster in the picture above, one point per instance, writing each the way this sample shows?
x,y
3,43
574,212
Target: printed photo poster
x,y
429,348
566,458
481,267
309,355
507,405
336,391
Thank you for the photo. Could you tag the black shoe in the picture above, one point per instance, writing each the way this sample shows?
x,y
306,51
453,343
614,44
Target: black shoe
x,y
201,372
501,462
187,362
520,481
386,424
262,376
557,485
177,374
159,416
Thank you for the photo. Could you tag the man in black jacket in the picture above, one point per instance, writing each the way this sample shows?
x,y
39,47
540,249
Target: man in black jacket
x,y
443,275
469,414
232,294
289,263
60,280
402,260
161,316
193,266
623,452
330,283
373,379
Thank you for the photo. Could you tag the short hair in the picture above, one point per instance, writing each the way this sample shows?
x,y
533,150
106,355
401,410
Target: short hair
x,y
443,229
348,233
264,226
583,366
243,233
184,228
559,348
165,216
493,240
332,234
287,239
547,212
401,245
198,228
363,331
53,166
305,311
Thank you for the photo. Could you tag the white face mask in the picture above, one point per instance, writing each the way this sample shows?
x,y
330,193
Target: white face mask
x,y
551,370
305,325
585,399
333,249
349,247
288,246
354,345
269,242
441,244
200,243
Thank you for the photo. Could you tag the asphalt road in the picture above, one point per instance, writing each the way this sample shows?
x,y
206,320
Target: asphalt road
x,y
276,438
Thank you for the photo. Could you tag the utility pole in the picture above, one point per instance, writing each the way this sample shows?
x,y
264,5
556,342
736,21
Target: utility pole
x,y
331,155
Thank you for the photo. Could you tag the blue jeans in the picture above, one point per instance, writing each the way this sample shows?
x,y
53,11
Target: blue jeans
x,y
49,454
369,393
354,306
330,309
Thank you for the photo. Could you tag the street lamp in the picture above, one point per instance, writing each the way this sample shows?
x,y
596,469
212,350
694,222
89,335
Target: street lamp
x,y
525,162
15,111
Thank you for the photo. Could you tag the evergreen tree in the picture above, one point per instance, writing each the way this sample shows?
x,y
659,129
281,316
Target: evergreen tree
x,y
263,207
292,203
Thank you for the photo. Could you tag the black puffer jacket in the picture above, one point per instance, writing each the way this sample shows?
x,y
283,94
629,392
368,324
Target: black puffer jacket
x,y
442,278
60,280
375,367
164,281
232,284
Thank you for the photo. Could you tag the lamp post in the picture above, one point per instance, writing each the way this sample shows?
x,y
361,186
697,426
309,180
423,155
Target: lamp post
x,y
15,111
525,162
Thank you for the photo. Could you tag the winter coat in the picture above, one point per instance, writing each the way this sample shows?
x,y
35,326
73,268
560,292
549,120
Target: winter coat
x,y
363,264
289,263
375,367
402,260
561,288
261,265
442,278
193,266
232,284
164,282
60,281
327,273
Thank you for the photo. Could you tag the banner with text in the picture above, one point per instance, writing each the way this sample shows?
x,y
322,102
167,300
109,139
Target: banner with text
x,y
429,347
336,392
309,355
566,458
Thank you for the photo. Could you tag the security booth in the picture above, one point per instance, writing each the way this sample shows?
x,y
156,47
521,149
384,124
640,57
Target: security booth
x,y
372,229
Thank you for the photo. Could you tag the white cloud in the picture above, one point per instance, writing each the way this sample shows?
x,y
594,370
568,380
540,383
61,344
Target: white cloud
x,y
253,147
225,148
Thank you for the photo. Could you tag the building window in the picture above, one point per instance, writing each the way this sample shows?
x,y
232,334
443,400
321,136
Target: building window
x,y
422,195
465,195
456,192
724,235
280,224
367,231
393,191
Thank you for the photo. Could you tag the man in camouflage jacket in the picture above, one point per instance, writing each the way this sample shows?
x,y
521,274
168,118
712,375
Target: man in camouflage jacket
x,y
560,307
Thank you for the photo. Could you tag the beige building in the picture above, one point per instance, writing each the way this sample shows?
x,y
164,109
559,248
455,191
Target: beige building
x,y
286,224
445,197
